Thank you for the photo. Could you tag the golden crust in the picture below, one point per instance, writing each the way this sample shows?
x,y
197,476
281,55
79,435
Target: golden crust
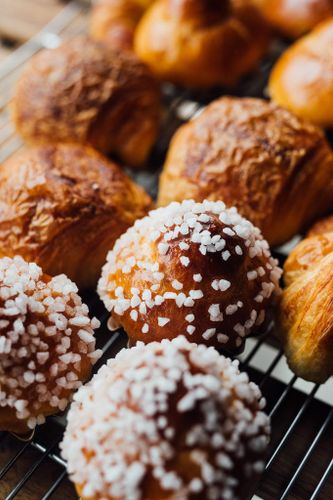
x,y
322,226
302,79
306,310
293,18
257,156
200,43
63,207
86,93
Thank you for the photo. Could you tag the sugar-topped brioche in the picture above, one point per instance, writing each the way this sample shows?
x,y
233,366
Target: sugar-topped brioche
x,y
169,420
198,268
47,347
63,206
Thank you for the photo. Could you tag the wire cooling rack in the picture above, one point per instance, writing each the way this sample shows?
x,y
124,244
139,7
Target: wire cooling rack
x,y
300,459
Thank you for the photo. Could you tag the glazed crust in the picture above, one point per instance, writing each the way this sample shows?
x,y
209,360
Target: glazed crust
x,y
86,93
293,18
201,43
257,156
302,79
306,311
63,207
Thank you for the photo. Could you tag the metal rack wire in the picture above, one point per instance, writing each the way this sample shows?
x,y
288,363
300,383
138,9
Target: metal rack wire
x,y
300,461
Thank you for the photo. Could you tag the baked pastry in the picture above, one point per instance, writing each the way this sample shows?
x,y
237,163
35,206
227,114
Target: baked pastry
x,y
276,169
294,18
47,347
63,207
306,311
114,21
190,426
197,268
86,93
302,79
201,43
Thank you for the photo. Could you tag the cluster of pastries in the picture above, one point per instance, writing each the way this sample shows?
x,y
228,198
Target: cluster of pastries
x,y
171,417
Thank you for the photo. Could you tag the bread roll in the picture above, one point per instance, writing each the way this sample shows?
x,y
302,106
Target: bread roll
x,y
170,420
302,79
63,207
276,169
47,347
201,43
197,268
306,311
86,93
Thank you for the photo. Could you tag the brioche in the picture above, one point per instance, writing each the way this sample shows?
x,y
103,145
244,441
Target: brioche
x,y
198,268
302,79
86,93
276,169
63,207
201,43
306,310
47,347
294,18
170,420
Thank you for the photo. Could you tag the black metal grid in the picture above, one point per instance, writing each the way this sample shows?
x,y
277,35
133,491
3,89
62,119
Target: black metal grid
x,y
301,455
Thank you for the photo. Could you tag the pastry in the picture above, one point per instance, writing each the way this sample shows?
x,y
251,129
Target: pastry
x,y
275,168
302,78
63,207
47,346
86,93
198,268
168,420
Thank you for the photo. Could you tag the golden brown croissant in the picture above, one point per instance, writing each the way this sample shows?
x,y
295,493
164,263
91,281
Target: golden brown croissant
x,y
63,207
175,420
201,43
293,18
114,21
86,93
197,268
302,79
306,310
47,347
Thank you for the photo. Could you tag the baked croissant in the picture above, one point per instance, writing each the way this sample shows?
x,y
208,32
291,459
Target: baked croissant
x,y
201,43
86,93
302,79
63,207
294,18
196,268
276,169
47,346
170,420
306,309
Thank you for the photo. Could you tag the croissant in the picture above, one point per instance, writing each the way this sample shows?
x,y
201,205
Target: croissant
x,y
47,347
306,309
182,401
276,169
201,43
294,18
86,93
302,79
63,207
197,268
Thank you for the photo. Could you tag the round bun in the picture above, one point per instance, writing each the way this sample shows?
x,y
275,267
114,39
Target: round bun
x,y
168,420
114,21
63,207
86,93
302,79
322,226
197,268
293,18
306,310
47,347
276,169
201,43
